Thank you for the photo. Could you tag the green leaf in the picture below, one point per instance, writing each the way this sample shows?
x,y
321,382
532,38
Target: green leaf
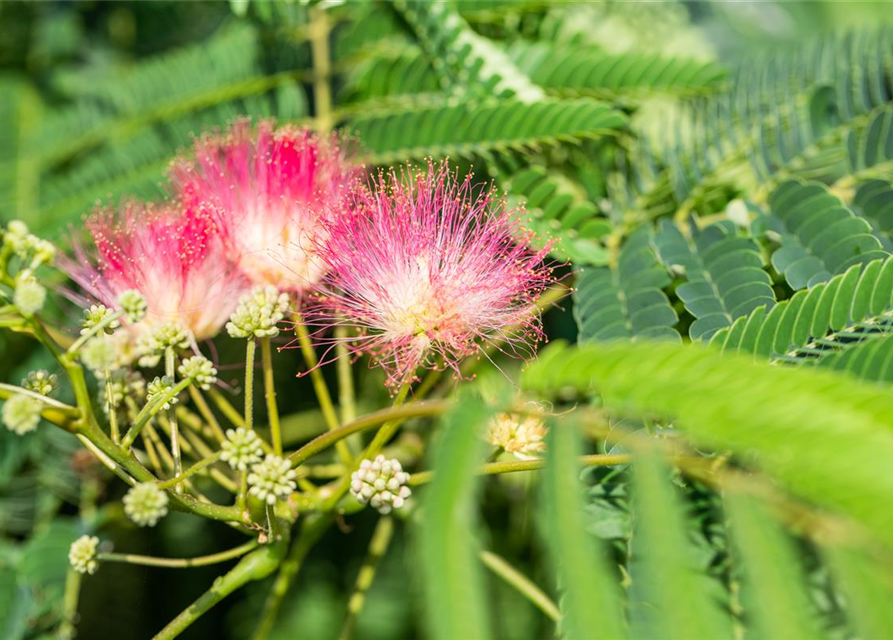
x,y
625,301
591,601
773,593
20,109
724,273
669,597
468,129
825,437
867,587
454,591
821,237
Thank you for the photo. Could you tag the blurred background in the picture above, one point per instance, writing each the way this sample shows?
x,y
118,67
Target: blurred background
x,y
96,98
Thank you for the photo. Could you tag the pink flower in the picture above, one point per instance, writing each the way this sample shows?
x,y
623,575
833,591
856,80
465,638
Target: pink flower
x,y
271,188
176,259
430,267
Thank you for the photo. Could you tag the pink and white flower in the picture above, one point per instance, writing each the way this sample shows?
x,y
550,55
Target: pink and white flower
x,y
271,188
175,258
430,267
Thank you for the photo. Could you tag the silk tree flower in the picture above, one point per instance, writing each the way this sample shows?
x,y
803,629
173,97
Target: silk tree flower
x,y
427,269
271,188
175,258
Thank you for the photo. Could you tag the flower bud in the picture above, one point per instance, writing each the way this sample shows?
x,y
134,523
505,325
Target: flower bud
x,y
95,316
146,504
381,483
21,414
241,449
41,381
200,370
159,386
29,296
100,355
272,479
82,554
257,314
133,304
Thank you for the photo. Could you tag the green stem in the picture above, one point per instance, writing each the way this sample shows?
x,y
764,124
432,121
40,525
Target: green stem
x,y
151,409
199,401
242,496
249,383
198,466
346,393
179,563
226,408
319,385
113,411
68,630
378,546
312,530
171,372
392,414
255,566
512,466
270,395
521,584
80,342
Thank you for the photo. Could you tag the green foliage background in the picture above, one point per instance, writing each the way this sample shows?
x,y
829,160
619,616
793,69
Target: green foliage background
x,y
716,174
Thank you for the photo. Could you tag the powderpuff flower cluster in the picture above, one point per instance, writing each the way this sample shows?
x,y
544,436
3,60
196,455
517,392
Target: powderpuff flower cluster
x,y
423,266
427,268
245,211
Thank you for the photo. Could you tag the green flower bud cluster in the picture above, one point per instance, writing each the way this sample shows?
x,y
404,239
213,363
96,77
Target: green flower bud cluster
x,y
133,304
99,355
41,381
381,483
32,250
258,313
159,386
21,414
241,449
146,504
29,295
273,479
82,554
98,315
200,370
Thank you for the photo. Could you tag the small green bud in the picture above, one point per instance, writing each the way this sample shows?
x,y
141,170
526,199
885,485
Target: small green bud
x,y
272,479
21,414
41,381
133,303
82,554
381,483
100,355
200,370
241,449
159,386
96,315
168,335
29,296
258,313
145,504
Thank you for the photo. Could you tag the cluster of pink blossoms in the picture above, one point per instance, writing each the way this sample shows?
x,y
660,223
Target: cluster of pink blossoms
x,y
422,266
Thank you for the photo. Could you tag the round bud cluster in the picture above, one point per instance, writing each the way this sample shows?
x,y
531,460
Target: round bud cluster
x,y
28,246
381,483
168,335
96,315
145,504
21,414
82,554
160,386
241,449
29,295
133,304
100,355
258,313
200,370
41,381
522,436
272,479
